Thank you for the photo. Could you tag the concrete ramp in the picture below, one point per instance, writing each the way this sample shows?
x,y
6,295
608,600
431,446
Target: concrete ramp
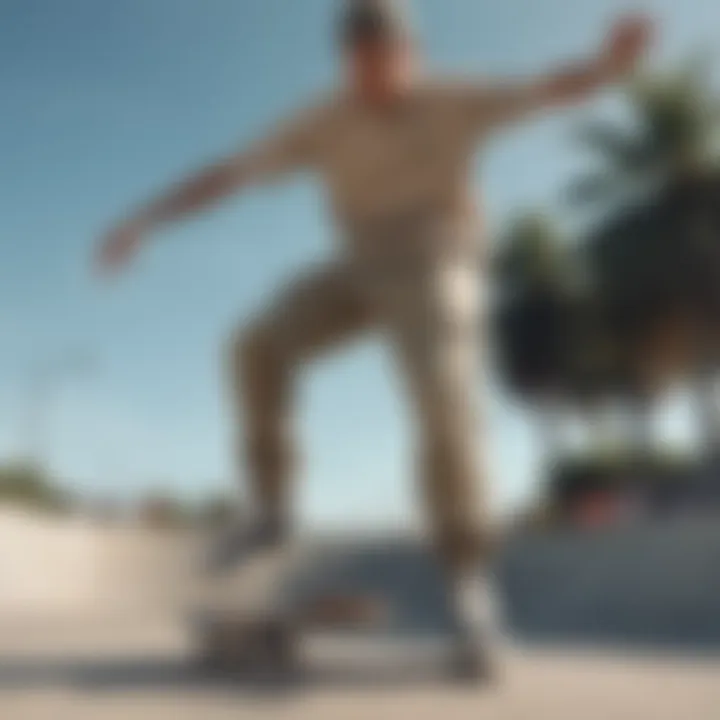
x,y
642,584
45,563
54,565
652,584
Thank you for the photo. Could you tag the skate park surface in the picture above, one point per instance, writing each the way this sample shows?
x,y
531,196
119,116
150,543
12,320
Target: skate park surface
x,y
92,625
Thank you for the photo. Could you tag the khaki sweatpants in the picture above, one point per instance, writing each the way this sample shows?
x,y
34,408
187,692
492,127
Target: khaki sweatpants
x,y
428,311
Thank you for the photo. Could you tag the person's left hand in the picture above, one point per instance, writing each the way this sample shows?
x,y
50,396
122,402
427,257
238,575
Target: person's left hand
x,y
626,44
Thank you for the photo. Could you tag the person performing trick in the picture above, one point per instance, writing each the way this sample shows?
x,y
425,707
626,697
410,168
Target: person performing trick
x,y
394,148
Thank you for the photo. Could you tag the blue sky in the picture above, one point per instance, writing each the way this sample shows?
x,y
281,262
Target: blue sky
x,y
103,102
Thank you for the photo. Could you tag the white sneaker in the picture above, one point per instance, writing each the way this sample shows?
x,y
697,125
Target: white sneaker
x,y
477,627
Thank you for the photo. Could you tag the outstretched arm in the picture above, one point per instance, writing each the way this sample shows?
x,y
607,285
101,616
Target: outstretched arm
x,y
286,151
502,103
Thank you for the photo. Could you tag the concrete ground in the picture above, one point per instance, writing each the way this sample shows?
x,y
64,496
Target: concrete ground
x,y
88,632
131,667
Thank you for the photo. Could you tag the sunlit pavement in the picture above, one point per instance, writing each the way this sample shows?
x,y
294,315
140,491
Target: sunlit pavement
x,y
129,667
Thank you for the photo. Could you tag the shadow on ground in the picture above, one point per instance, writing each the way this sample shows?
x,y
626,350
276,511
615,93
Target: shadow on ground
x,y
138,674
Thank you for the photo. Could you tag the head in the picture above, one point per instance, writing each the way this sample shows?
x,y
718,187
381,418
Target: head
x,y
379,49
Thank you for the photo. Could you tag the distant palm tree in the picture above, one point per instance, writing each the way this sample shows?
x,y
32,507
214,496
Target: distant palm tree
x,y
655,258
672,135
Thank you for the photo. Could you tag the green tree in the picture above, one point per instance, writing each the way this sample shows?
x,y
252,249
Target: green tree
x,y
655,256
672,134
28,486
538,317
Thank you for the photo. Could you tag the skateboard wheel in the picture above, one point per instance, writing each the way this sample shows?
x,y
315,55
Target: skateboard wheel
x,y
245,645
274,646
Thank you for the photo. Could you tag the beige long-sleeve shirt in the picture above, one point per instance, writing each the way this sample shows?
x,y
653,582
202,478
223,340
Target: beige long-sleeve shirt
x,y
412,158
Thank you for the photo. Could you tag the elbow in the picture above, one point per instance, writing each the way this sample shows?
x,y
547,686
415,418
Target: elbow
x,y
216,183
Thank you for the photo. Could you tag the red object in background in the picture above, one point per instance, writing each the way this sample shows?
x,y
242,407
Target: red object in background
x,y
597,510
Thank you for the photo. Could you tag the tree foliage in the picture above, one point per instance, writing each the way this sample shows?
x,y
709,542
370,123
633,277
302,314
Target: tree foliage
x,y
30,487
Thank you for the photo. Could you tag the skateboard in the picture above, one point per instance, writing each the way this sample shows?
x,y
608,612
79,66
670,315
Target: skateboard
x,y
257,615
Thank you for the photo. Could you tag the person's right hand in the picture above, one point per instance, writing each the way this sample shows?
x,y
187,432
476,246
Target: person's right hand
x,y
119,245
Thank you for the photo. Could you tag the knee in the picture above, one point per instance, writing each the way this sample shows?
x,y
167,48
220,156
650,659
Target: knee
x,y
251,354
464,545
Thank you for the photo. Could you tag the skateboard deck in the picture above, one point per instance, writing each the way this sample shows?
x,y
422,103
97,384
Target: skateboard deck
x,y
375,588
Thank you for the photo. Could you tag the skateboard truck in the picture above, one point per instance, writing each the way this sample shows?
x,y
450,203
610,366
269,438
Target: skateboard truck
x,y
251,642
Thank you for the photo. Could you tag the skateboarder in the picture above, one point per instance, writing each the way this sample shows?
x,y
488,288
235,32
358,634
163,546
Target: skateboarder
x,y
394,149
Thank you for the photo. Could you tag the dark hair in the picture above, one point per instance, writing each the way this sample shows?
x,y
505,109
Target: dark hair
x,y
372,20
